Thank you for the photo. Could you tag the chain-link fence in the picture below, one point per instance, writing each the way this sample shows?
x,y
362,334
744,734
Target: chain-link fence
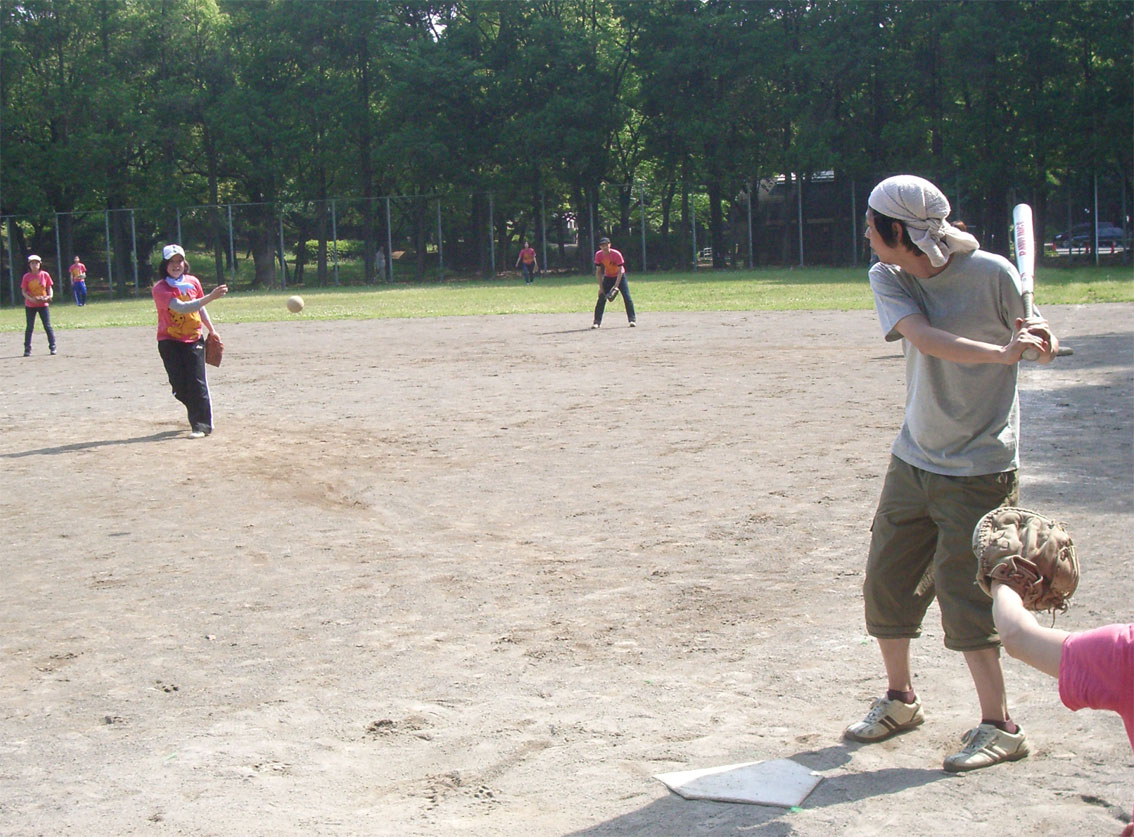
x,y
816,219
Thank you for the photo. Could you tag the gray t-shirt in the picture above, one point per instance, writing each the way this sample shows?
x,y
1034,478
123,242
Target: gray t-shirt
x,y
962,419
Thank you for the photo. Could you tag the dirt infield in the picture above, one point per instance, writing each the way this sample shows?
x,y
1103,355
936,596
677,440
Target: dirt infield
x,y
490,575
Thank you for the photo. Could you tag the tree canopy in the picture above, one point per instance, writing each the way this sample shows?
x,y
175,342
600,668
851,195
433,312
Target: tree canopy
x,y
109,104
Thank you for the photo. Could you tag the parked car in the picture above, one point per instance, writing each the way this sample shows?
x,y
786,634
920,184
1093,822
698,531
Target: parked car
x,y
1083,235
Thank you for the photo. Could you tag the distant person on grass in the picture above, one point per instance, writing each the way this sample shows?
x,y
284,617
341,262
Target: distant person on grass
x,y
79,282
610,271
36,286
180,303
527,262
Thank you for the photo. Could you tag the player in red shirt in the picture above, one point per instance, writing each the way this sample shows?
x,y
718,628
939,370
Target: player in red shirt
x,y
37,289
527,261
610,271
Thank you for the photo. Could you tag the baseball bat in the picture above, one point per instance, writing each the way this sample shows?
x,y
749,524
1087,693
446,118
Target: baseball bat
x,y
1025,262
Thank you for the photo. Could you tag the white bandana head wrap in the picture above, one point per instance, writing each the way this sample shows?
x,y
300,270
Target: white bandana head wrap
x,y
923,208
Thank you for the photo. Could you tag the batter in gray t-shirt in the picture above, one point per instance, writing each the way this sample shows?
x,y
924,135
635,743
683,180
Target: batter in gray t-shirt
x,y
962,419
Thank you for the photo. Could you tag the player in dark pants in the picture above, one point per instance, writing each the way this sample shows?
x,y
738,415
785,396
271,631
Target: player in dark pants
x,y
182,318
610,272
36,287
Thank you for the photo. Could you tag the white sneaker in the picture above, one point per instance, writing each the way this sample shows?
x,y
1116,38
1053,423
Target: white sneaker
x,y
594,325
197,434
886,719
986,745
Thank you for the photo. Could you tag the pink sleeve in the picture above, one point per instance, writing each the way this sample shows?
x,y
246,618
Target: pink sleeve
x,y
1096,671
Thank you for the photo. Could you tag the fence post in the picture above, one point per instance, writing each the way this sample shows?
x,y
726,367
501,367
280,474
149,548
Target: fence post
x,y
231,250
748,201
134,249
799,212
11,264
109,255
440,246
177,209
591,222
543,226
283,255
335,241
492,233
642,205
1095,217
389,243
693,226
58,253
854,226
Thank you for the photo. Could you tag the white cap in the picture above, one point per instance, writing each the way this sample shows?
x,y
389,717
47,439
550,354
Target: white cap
x,y
34,258
171,250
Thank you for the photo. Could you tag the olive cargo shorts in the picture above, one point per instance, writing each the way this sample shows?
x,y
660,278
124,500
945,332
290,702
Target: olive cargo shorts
x,y
921,547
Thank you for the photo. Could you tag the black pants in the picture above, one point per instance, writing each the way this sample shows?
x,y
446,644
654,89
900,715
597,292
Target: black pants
x,y
45,316
623,288
185,366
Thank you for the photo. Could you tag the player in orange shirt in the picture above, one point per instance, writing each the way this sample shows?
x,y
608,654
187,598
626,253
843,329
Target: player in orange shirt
x,y
610,271
36,286
79,282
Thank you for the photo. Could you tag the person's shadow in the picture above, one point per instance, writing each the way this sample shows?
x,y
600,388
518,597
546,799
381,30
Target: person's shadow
x,y
673,815
136,440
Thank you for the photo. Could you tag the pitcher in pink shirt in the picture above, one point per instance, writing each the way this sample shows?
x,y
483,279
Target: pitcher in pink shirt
x,y
180,303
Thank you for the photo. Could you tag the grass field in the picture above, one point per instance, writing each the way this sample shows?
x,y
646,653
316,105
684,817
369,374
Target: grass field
x,y
757,290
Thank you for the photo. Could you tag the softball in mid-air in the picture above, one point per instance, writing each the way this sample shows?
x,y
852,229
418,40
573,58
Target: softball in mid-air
x,y
295,304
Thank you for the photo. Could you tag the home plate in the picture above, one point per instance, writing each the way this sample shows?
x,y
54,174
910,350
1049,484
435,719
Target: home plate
x,y
780,782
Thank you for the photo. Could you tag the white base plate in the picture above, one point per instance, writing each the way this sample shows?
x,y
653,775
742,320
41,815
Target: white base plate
x,y
780,782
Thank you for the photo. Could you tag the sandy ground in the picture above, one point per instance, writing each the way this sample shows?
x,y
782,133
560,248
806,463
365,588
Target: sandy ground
x,y
490,575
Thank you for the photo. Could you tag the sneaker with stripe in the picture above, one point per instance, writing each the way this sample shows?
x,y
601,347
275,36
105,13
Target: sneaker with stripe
x,y
886,719
986,745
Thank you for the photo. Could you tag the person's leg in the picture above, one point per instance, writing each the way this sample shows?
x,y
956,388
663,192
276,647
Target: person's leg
x,y
896,596
898,587
45,315
988,677
966,612
600,306
173,357
198,402
896,659
29,315
624,288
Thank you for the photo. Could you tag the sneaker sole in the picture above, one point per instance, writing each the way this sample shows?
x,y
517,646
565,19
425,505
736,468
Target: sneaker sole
x,y
898,730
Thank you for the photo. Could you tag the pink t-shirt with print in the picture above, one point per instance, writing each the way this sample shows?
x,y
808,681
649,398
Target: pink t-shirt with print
x,y
171,325
610,260
36,283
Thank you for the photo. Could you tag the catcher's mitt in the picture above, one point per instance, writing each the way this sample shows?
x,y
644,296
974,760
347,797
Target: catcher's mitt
x,y
1030,553
612,293
214,350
